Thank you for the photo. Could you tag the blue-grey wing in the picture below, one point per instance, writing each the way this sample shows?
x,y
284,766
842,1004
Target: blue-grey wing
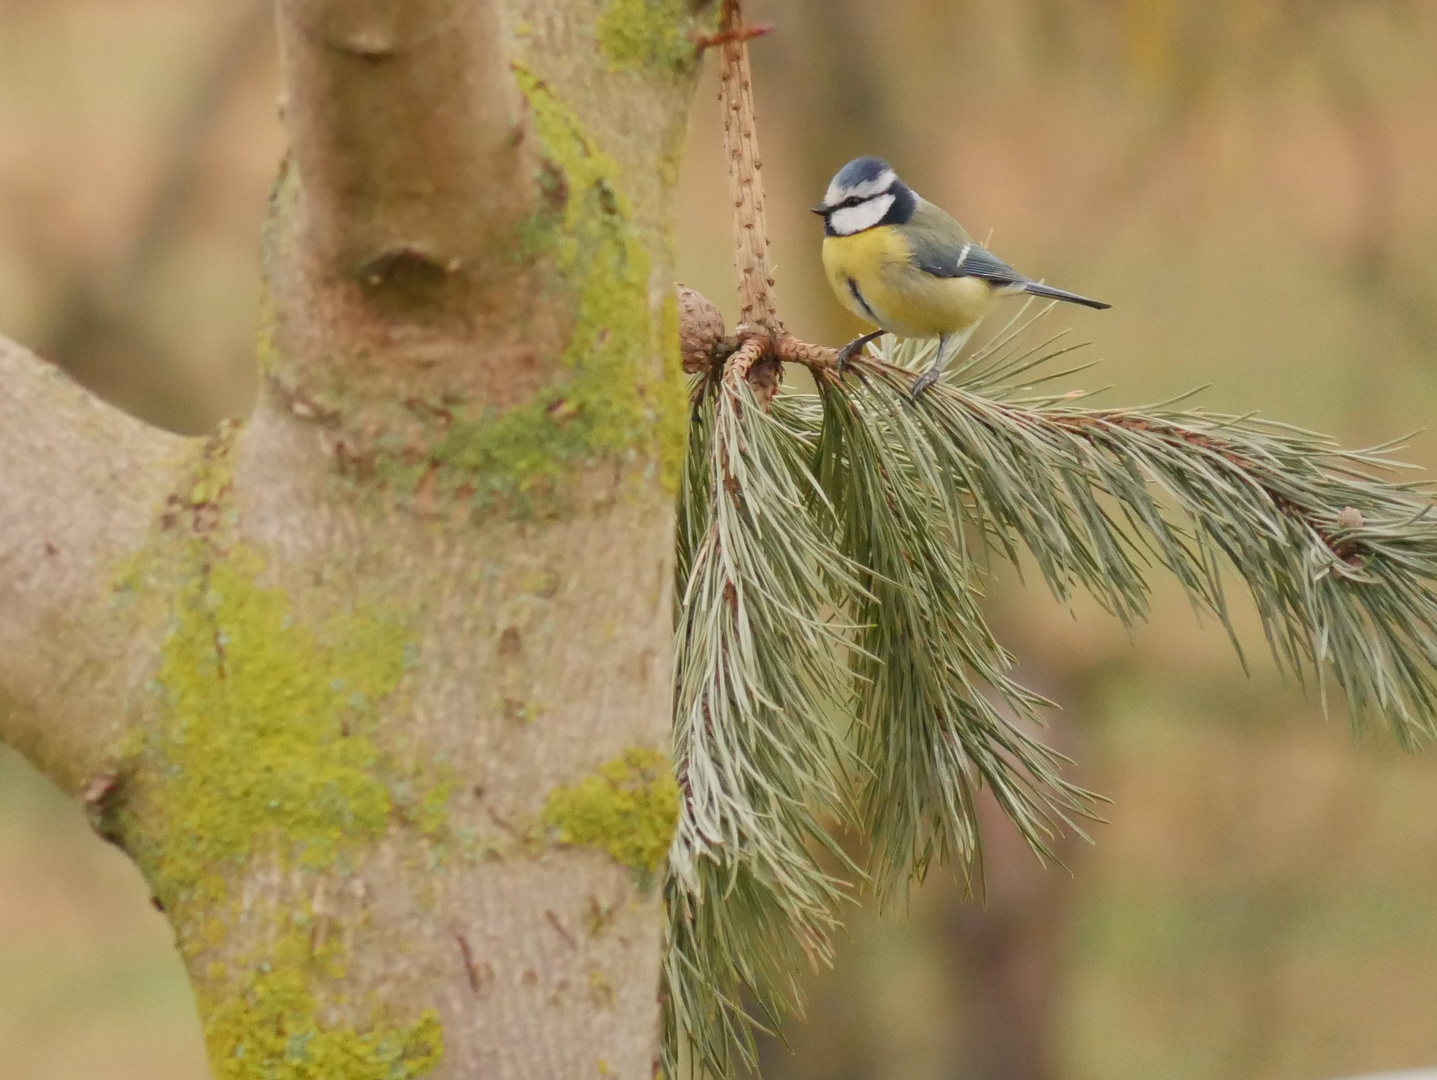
x,y
940,247
941,259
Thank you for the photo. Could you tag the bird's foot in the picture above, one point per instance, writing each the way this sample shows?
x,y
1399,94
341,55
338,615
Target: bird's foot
x,y
853,348
926,380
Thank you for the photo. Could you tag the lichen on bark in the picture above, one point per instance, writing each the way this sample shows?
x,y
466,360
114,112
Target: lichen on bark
x,y
653,36
619,392
628,808
265,749
269,1031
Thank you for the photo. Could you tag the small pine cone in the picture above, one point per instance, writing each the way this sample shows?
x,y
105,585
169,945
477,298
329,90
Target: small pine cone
x,y
701,329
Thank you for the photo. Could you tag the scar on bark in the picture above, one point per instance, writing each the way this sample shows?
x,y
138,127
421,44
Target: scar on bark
x,y
468,957
101,800
561,928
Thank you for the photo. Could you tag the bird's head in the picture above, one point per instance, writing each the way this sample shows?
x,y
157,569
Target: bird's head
x,y
864,193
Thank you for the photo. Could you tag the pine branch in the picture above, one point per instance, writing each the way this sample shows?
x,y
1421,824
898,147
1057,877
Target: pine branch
x,y
1339,562
928,670
760,764
833,662
907,499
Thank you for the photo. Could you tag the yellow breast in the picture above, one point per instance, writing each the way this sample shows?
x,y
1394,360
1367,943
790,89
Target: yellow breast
x,y
873,275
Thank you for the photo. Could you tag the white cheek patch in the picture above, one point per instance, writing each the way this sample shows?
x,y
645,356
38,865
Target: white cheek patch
x,y
879,184
852,219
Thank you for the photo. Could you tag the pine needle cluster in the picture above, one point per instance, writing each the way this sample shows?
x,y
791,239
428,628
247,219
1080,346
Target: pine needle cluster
x,y
835,671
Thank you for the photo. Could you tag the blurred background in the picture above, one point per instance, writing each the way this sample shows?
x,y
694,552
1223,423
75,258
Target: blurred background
x,y
1249,182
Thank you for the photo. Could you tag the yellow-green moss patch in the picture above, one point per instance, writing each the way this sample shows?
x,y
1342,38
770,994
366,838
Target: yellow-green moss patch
x,y
264,738
651,36
265,750
628,808
620,387
269,1032
265,744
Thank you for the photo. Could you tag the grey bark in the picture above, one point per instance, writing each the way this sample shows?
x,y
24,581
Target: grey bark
x,y
535,647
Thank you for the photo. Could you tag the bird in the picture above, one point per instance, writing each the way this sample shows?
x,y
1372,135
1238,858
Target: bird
x,y
901,263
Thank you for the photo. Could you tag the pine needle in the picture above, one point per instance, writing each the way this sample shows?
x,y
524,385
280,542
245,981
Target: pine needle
x,y
834,667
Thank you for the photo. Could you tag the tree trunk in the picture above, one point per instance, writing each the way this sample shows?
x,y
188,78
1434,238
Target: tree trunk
x,y
374,685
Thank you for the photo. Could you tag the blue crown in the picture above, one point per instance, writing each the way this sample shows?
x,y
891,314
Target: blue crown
x,y
861,170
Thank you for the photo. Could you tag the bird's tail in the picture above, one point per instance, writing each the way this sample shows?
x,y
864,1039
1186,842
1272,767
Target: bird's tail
x,y
1051,293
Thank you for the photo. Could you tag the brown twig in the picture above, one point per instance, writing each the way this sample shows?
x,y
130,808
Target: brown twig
x,y
819,359
703,42
753,354
740,135
762,344
741,364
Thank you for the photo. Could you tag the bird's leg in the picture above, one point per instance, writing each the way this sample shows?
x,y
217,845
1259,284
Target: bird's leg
x,y
853,348
929,377
949,346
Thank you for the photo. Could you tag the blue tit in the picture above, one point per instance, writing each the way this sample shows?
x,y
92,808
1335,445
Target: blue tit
x,y
899,262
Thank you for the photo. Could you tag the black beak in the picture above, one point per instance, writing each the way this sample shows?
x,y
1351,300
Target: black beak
x,y
822,210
